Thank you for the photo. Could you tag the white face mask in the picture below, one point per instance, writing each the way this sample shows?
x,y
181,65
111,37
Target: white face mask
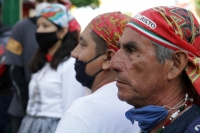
x,y
41,6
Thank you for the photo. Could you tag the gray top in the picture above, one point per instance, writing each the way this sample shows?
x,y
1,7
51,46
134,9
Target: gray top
x,y
22,45
20,49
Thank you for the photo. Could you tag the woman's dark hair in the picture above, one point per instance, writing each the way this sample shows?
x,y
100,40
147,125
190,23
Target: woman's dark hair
x,y
69,42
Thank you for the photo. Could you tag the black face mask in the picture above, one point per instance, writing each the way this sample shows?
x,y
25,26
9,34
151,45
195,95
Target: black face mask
x,y
46,40
81,75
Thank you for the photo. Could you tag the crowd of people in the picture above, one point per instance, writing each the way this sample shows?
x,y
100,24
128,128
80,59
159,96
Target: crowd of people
x,y
143,72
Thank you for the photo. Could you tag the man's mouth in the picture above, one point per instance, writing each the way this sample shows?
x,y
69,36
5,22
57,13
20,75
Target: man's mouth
x,y
120,82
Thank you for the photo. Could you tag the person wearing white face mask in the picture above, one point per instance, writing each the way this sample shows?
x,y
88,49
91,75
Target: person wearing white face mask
x,y
20,49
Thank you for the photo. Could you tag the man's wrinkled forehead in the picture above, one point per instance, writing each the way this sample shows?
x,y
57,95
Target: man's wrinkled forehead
x,y
128,36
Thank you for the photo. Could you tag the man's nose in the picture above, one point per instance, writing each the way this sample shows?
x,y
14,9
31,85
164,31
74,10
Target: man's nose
x,y
116,63
75,52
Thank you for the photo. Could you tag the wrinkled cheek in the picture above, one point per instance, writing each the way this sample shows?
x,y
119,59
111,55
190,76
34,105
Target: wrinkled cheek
x,y
138,66
136,75
124,94
130,98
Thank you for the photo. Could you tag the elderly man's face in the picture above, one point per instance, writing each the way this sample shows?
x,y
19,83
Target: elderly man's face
x,y
86,50
140,76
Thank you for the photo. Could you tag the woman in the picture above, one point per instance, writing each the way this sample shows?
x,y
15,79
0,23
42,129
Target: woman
x,y
53,85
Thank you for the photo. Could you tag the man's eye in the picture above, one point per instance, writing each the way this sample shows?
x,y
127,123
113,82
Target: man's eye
x,y
129,47
82,44
130,50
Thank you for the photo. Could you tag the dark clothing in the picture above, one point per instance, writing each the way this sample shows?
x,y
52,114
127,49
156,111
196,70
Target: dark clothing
x,y
5,82
6,91
24,33
5,118
20,84
194,126
16,122
20,49
180,124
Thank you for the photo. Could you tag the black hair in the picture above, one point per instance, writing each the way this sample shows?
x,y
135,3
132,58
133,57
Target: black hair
x,y
63,53
100,43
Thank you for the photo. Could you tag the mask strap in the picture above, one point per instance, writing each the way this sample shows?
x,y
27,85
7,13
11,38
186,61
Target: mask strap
x,y
97,73
95,57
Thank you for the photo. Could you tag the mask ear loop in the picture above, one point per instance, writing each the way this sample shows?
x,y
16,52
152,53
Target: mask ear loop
x,y
97,73
94,59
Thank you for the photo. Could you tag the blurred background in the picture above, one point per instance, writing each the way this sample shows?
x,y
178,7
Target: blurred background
x,y
85,10
11,11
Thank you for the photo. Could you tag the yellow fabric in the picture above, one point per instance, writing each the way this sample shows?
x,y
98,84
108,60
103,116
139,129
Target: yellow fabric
x,y
14,46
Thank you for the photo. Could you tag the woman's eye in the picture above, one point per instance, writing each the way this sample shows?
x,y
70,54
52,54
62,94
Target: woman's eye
x,y
45,26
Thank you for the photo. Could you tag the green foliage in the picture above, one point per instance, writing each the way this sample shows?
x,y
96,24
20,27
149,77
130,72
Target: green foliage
x,y
82,3
197,3
197,7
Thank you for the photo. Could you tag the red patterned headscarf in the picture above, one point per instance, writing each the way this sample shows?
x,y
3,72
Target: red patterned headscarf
x,y
109,27
175,28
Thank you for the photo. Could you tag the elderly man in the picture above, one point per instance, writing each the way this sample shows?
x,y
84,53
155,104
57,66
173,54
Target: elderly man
x,y
158,72
101,111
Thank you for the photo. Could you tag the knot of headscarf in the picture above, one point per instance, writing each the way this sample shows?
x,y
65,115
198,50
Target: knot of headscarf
x,y
175,28
109,27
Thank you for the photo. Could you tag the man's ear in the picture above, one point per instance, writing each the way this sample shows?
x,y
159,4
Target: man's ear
x,y
179,62
107,58
62,33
